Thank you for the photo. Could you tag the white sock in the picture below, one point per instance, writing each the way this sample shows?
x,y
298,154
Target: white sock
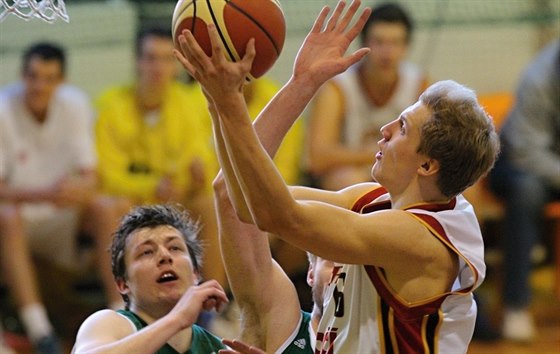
x,y
35,321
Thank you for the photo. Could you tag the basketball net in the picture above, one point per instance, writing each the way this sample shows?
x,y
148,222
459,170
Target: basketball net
x,y
47,10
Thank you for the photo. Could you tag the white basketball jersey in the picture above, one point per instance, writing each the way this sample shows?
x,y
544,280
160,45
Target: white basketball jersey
x,y
364,315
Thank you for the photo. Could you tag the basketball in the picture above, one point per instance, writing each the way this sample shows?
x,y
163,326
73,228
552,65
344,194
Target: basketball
x,y
237,21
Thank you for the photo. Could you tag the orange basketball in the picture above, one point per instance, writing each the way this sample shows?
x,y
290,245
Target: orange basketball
x,y
237,21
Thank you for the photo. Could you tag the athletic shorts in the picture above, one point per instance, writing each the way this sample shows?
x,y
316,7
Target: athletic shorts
x,y
52,232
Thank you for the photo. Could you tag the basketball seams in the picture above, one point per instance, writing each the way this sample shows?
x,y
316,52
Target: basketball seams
x,y
235,25
177,18
220,32
263,30
195,18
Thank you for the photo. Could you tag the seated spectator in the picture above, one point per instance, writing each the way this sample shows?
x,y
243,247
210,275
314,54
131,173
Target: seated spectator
x,y
526,177
47,185
349,111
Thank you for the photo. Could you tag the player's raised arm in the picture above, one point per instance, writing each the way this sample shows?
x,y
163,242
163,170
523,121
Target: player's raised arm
x,y
263,188
321,56
268,301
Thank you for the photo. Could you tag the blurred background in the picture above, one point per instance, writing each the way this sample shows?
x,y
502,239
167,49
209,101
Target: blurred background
x,y
481,43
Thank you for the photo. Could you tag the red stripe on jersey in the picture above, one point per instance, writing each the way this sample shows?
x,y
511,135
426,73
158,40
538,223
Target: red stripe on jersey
x,y
404,311
368,198
434,207
436,227
438,231
406,337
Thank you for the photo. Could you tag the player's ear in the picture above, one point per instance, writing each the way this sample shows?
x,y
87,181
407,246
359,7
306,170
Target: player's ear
x,y
197,277
310,275
122,286
428,167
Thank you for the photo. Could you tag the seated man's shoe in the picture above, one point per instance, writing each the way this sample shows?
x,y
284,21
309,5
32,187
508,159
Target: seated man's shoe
x,y
518,326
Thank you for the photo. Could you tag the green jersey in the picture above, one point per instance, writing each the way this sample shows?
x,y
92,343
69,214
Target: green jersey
x,y
300,341
203,342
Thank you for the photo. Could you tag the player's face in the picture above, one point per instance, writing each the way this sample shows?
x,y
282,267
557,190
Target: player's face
x,y
157,65
158,268
320,272
388,43
398,160
41,79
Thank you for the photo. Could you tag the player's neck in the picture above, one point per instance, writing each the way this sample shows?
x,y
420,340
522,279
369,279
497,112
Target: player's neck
x,y
417,196
152,314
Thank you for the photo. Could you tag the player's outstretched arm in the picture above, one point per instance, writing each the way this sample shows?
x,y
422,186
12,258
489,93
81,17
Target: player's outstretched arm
x,y
106,331
321,57
226,173
270,309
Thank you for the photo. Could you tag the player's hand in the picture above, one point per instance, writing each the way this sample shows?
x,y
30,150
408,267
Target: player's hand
x,y
322,54
218,76
206,296
238,347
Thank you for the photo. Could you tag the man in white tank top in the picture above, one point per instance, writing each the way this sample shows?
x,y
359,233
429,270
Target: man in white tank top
x,y
348,112
408,247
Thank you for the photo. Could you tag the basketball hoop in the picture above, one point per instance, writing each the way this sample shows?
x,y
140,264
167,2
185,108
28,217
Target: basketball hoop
x,y
47,10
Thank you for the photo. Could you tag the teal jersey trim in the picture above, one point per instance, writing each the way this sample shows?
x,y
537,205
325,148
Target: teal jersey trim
x,y
203,342
301,344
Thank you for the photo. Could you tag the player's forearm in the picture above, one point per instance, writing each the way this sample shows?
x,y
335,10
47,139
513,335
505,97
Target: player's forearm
x,y
265,192
226,179
245,253
276,119
147,340
271,126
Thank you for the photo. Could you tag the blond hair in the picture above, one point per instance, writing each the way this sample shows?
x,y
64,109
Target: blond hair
x,y
459,135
